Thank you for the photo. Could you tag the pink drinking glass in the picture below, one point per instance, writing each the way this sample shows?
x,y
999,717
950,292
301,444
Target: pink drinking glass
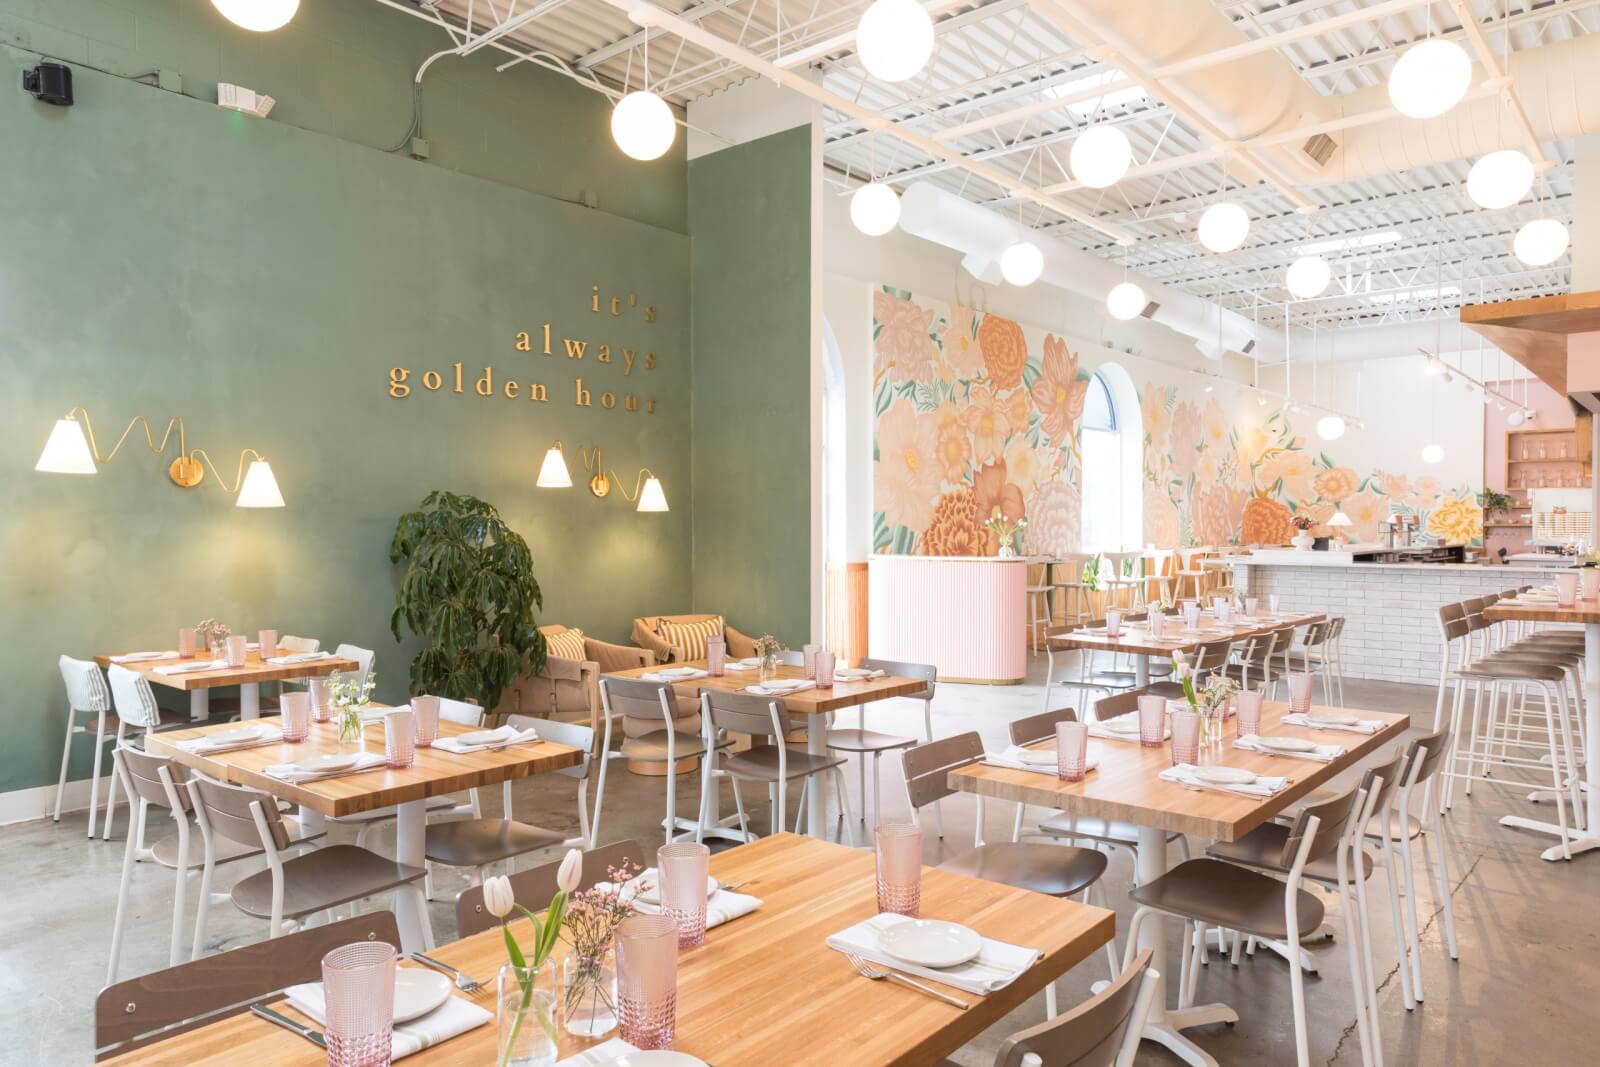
x,y
825,669
1157,622
425,718
1152,721
296,709
1300,692
1113,623
899,847
1589,583
399,738
268,642
1185,737
647,980
236,650
1272,603
1248,703
1191,615
1072,751
1250,605
186,643
716,656
683,869
358,983
321,706
1566,589
810,653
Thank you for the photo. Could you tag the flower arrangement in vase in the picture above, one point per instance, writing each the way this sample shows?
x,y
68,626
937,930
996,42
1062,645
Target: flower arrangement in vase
x,y
351,697
1302,538
1210,702
767,649
589,974
526,981
1007,532
214,635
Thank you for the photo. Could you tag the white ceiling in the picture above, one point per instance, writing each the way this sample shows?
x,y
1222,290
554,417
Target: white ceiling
x,y
1408,245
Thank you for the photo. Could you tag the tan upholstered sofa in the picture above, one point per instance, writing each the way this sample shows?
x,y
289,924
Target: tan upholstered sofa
x,y
645,636
569,689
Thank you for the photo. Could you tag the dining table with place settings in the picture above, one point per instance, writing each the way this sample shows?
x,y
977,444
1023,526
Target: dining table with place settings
x,y
1138,784
1136,641
276,767
198,675
762,986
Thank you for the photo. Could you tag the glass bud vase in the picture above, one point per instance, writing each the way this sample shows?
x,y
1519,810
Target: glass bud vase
x,y
589,994
525,1015
769,669
352,735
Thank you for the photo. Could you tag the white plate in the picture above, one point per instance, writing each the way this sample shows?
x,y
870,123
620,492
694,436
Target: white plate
x,y
236,736
852,673
659,1057
931,942
1121,725
1038,757
748,661
333,761
480,737
648,890
1287,744
417,991
1332,718
785,683
678,672
1224,775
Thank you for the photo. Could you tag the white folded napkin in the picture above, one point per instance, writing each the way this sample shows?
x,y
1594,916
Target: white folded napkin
x,y
193,665
137,657
848,674
294,775
722,906
201,745
1098,730
765,691
375,715
298,657
450,1019
741,665
1011,758
1263,786
1322,753
604,1054
657,676
1365,726
997,966
505,736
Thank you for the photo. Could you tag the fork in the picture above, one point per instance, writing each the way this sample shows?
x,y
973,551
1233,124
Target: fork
x,y
866,970
467,984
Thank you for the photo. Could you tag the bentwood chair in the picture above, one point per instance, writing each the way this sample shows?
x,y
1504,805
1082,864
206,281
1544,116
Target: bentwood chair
x,y
535,887
162,1004
1103,1031
87,694
137,711
648,713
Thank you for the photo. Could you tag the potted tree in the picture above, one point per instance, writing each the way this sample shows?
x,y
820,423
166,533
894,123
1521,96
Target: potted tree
x,y
469,592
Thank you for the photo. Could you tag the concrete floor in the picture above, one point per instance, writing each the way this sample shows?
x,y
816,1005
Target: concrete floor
x,y
1522,992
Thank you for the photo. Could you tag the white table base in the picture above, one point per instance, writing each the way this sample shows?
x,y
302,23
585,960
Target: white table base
x,y
250,701
199,705
411,823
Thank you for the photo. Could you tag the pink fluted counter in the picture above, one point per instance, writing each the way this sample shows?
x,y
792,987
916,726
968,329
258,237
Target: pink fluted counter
x,y
966,615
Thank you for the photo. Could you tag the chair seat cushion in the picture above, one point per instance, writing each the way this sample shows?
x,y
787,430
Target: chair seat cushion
x,y
1222,894
1054,870
866,741
476,842
335,874
761,764
1262,848
652,747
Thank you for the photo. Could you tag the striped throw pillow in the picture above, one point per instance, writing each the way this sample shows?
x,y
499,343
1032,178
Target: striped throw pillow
x,y
568,644
688,639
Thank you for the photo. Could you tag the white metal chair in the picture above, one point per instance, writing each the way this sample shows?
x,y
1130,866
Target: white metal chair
x,y
138,711
87,694
646,704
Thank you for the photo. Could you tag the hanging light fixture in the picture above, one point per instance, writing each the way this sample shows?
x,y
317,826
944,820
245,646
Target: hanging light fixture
x,y
1330,427
1540,242
553,473
651,498
1432,453
894,39
1308,276
1022,263
259,488
1100,156
642,125
1126,301
1430,78
1500,179
262,16
874,209
1224,226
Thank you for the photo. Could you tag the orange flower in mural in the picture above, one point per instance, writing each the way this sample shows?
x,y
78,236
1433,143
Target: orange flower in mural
x,y
1457,520
1057,392
907,474
1368,512
1294,469
1336,483
1265,522
954,446
1054,520
1426,491
993,494
960,346
1019,410
990,423
1185,439
904,344
1005,351
953,530
1215,514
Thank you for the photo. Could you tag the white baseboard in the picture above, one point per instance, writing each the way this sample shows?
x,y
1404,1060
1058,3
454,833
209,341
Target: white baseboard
x,y
26,805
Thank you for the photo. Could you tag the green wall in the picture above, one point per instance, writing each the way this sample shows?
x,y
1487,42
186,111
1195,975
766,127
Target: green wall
x,y
161,256
750,221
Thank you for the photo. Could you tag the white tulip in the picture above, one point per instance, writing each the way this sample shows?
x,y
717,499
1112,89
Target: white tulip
x,y
571,871
497,896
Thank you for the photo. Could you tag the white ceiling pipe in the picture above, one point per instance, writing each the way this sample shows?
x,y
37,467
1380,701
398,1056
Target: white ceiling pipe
x,y
981,235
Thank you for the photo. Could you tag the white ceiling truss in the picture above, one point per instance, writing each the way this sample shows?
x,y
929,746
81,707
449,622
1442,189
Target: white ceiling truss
x,y
1013,82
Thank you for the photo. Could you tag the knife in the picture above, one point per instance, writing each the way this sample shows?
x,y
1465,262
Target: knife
x,y
309,1033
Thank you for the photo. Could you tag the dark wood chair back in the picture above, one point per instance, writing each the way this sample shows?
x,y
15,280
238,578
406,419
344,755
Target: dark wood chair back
x,y
928,765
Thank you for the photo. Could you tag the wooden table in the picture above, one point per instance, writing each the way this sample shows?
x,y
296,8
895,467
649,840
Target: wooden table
x,y
1135,639
198,684
813,704
1587,614
435,773
1126,787
764,989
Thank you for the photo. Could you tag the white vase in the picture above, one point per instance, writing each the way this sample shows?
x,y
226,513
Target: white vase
x,y
1303,541
1008,551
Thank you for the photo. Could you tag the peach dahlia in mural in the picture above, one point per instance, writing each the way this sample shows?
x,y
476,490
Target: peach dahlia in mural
x,y
1005,350
954,530
907,475
989,421
1336,483
953,444
1265,522
903,341
1457,520
1057,391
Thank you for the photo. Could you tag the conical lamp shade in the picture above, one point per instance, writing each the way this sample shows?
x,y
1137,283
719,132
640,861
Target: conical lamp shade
x,y
651,498
67,450
260,488
553,473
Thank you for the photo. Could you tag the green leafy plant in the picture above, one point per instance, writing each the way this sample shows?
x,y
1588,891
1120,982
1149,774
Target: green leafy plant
x,y
1492,502
1093,571
469,592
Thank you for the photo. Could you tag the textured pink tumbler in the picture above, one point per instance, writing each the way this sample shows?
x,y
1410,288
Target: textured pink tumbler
x,y
358,983
321,706
825,669
399,740
1248,701
236,650
186,643
296,708
268,642
1185,737
899,868
647,980
1566,589
1072,750
425,720
716,656
1152,721
809,655
1300,693
683,869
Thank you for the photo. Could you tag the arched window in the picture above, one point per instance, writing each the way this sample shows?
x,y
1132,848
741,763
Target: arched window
x,y
1112,442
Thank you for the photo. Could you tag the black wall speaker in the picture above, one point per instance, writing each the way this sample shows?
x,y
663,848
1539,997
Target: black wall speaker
x,y
50,82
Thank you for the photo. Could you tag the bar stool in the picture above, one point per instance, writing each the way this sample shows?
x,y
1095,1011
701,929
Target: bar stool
x,y
1126,577
87,694
1076,606
1160,570
1190,573
1040,605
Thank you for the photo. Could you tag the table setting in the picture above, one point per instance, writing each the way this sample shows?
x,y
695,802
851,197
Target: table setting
x,y
1289,747
143,657
1333,720
246,735
187,666
330,765
1127,727
781,687
675,674
723,904
1225,779
426,1010
486,740
1039,760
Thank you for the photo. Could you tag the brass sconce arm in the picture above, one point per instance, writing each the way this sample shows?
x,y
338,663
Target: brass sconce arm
x,y
238,475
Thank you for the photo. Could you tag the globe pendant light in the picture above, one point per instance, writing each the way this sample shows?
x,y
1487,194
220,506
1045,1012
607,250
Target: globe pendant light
x,y
1540,242
1022,263
261,16
642,125
1307,277
1100,156
875,208
1126,301
1500,179
1330,427
1432,454
1224,226
894,39
1430,78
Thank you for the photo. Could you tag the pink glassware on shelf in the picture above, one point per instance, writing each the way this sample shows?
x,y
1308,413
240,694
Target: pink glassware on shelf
x,y
1248,703
825,668
899,855
1185,737
716,656
1072,751
1152,721
1566,589
683,869
399,738
321,706
647,980
810,654
425,720
358,985
1300,692
1113,622
268,642
296,709
237,650
186,643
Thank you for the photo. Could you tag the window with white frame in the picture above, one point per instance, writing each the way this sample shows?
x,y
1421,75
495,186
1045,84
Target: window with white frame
x,y
1103,480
